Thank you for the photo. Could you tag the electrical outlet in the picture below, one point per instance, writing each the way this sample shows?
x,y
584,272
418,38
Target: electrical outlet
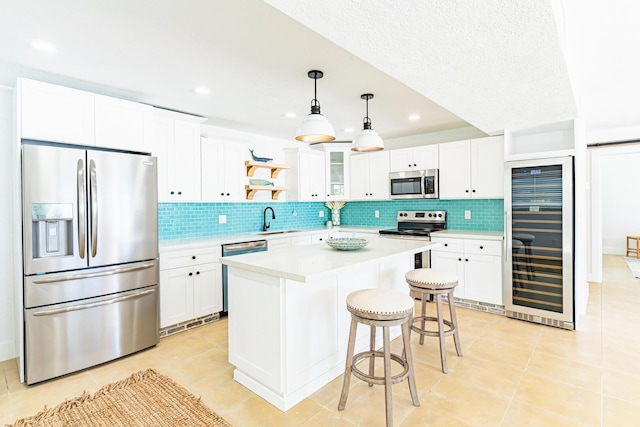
x,y
467,214
222,219
321,214
376,214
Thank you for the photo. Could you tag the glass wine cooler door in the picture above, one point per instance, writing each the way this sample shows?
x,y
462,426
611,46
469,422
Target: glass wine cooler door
x,y
540,241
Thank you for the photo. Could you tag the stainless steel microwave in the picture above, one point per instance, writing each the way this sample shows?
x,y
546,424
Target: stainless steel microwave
x,y
414,184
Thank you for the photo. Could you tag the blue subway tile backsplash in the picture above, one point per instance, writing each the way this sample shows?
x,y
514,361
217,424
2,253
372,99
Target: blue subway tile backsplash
x,y
188,220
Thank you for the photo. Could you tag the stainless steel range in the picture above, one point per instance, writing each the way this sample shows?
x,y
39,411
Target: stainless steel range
x,y
418,225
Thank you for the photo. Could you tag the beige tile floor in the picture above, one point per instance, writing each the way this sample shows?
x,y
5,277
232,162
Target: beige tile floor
x,y
513,373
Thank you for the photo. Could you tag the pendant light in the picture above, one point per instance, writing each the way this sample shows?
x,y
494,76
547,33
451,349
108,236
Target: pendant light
x,y
315,127
368,139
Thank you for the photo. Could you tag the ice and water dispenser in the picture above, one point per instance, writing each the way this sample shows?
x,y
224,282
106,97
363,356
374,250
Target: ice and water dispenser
x,y
52,229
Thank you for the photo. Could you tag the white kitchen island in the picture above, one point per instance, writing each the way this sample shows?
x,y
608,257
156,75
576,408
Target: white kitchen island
x,y
288,322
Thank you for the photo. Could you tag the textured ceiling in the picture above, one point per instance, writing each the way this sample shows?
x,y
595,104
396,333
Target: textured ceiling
x,y
496,64
493,64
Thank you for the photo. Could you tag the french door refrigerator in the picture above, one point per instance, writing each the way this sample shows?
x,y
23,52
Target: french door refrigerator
x,y
539,277
90,257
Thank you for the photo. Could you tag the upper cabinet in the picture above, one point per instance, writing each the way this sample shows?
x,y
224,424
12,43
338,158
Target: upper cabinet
x,y
176,144
59,114
416,158
370,176
472,169
306,177
223,170
123,125
54,113
337,173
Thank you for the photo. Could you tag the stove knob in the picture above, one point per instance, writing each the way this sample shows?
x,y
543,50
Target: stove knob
x,y
430,215
440,215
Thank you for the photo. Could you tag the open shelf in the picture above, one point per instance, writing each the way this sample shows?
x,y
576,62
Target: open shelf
x,y
253,165
275,191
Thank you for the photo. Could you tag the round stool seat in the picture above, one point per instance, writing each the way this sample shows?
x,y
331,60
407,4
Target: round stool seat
x,y
430,278
382,304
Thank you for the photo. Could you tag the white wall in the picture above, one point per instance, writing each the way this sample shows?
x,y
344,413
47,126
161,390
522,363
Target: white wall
x,y
7,312
620,196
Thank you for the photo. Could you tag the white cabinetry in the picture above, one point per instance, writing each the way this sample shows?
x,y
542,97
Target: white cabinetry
x,y
223,170
337,174
190,285
306,177
60,114
123,125
477,263
416,158
176,143
472,168
54,113
370,176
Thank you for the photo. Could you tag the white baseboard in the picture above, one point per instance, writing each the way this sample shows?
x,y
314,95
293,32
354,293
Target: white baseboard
x,y
7,350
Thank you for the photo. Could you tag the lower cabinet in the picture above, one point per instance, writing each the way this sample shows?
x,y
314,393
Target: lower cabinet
x,y
477,263
190,285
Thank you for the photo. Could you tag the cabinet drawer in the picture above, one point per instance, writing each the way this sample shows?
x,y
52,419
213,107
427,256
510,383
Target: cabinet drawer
x,y
188,258
279,243
448,245
483,247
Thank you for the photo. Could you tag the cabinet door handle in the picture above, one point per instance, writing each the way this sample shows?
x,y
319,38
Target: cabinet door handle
x,y
222,194
481,247
197,272
466,260
190,274
466,191
172,193
446,244
179,193
473,191
228,194
459,259
193,257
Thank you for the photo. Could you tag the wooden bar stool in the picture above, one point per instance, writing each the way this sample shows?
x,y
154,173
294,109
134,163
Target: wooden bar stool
x,y
380,308
635,250
429,281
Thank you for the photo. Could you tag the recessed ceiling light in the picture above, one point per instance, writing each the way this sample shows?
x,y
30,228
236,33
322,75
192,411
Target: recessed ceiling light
x,y
202,90
348,130
290,115
43,46
414,117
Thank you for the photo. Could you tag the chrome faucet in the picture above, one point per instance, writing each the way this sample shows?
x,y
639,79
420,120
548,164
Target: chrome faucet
x,y
265,225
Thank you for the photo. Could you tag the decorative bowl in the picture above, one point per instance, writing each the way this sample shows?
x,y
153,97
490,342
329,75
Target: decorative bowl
x,y
347,243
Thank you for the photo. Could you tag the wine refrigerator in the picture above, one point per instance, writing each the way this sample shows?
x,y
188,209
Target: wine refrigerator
x,y
539,273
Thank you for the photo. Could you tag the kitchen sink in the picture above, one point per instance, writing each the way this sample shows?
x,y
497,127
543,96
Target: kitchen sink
x,y
268,233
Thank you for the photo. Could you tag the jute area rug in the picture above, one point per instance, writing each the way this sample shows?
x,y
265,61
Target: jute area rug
x,y
146,398
634,265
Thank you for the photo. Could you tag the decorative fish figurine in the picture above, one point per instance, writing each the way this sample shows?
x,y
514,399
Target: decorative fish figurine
x,y
259,159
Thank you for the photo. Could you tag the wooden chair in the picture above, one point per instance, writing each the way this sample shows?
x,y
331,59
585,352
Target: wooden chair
x,y
636,249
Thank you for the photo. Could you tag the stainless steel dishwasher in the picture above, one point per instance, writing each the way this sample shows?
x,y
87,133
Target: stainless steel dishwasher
x,y
237,249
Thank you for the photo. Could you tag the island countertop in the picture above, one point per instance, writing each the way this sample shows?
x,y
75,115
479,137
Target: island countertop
x,y
312,262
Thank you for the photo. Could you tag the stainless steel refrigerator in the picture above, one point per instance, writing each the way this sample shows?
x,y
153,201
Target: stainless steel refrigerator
x,y
90,257
539,274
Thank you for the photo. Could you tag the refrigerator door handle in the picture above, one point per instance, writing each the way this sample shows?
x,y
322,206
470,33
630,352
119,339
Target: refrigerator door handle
x,y
81,209
93,304
90,275
93,193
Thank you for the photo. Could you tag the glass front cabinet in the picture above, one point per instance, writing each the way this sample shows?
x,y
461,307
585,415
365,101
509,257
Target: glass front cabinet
x,y
337,173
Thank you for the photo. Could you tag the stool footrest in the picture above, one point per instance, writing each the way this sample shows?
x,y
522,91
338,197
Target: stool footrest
x,y
377,379
421,331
